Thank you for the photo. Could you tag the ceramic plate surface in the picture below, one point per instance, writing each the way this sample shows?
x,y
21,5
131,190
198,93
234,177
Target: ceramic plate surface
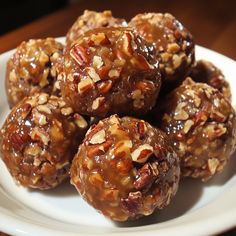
x,y
198,208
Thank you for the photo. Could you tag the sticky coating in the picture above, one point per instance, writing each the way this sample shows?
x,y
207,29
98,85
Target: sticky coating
x,y
32,69
201,123
110,71
174,44
39,139
125,168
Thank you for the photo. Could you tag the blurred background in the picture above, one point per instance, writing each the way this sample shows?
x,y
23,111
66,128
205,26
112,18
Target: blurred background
x,y
212,22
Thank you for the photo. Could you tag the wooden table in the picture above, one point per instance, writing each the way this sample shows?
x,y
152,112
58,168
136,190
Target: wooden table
x,y
212,22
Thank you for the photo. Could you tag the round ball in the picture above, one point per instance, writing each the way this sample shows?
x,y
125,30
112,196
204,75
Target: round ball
x,y
32,68
201,123
39,139
110,71
91,20
206,72
125,168
173,43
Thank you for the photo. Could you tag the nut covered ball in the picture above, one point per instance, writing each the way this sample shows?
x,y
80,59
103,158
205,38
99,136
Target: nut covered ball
x,y
201,123
39,139
33,68
110,71
173,43
206,72
125,168
91,20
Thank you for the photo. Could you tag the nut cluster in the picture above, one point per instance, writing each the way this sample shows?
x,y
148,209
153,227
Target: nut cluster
x,y
33,68
109,71
125,168
201,124
39,139
173,43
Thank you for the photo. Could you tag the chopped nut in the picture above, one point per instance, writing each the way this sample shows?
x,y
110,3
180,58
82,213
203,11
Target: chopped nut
x,y
142,153
96,179
43,58
145,177
98,138
44,78
66,111
212,165
18,140
113,73
104,87
110,195
93,74
165,56
43,98
97,62
133,202
173,48
97,103
44,108
213,131
80,121
55,56
100,38
12,76
56,130
122,147
187,126
142,128
176,61
85,85
61,103
137,94
79,54
197,101
33,150
40,135
39,118
113,120
180,114
127,43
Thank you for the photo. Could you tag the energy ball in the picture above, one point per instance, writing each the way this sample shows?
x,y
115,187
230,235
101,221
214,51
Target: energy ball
x,y
32,68
125,168
91,20
110,71
201,123
39,139
173,43
206,72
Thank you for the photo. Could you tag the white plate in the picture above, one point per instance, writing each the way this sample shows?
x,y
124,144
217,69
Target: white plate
x,y
197,209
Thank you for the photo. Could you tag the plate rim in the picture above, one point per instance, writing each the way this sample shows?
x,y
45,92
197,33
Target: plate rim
x,y
24,228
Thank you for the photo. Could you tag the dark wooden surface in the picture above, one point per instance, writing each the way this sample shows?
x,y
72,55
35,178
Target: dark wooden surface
x,y
212,23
